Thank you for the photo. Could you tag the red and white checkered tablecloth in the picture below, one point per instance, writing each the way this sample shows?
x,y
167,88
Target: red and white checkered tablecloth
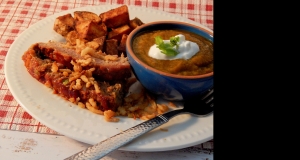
x,y
17,16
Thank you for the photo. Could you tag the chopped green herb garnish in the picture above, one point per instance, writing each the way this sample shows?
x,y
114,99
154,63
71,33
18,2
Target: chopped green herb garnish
x,y
65,82
167,48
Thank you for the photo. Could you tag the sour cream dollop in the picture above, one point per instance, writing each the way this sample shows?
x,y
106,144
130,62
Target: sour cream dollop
x,y
186,49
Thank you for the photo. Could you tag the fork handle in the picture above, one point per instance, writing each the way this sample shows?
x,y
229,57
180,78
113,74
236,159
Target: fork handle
x,y
106,146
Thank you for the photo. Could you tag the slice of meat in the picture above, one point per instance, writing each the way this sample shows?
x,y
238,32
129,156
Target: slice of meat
x,y
107,95
109,69
109,98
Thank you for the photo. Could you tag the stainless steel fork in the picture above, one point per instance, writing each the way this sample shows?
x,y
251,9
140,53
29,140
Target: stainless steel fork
x,y
106,146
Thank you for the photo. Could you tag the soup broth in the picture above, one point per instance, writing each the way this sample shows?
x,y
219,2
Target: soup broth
x,y
200,63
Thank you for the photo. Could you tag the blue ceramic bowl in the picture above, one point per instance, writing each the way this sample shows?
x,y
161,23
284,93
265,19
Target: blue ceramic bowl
x,y
169,86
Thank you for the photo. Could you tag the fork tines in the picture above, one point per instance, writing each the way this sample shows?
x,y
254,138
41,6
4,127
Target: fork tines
x,y
208,97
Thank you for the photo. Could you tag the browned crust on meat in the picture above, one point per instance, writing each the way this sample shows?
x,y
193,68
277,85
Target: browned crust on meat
x,y
107,70
109,96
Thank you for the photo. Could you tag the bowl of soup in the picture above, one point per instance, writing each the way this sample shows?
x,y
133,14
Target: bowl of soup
x,y
172,59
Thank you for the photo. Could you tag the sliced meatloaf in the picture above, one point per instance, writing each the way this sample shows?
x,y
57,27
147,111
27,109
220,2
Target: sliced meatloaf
x,y
106,69
98,84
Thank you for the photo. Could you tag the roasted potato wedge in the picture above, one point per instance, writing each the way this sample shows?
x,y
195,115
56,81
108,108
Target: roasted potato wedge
x,y
106,32
97,43
86,15
115,17
71,37
90,30
122,45
111,47
64,24
118,32
135,23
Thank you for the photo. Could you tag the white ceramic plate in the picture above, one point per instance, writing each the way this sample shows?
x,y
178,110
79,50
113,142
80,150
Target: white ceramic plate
x,y
83,125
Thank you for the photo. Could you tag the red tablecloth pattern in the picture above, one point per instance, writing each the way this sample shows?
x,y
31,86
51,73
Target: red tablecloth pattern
x,y
17,16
